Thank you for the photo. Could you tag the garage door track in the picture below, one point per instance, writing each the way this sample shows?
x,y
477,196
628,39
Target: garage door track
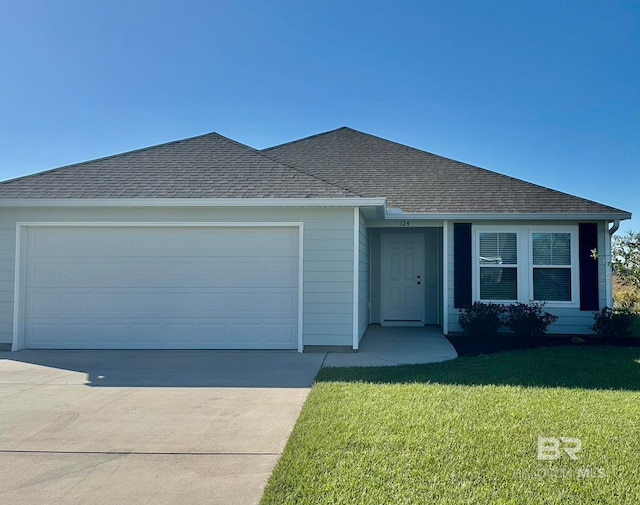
x,y
146,427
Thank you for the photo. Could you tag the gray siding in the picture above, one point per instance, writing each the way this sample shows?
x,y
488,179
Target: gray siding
x,y
570,319
363,277
327,246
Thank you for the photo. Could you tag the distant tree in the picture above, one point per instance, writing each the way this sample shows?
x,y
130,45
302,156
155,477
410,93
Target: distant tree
x,y
625,259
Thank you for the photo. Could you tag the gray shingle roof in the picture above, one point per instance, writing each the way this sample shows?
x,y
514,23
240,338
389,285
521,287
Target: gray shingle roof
x,y
208,166
341,163
420,182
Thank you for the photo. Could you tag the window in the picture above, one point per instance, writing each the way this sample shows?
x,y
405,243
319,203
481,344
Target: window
x,y
498,266
525,263
551,264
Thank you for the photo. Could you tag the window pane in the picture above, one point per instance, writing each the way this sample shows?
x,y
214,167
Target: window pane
x,y
561,248
542,248
489,248
498,248
497,283
551,248
552,284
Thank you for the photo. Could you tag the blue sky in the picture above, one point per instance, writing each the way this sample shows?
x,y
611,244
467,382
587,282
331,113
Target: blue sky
x,y
545,91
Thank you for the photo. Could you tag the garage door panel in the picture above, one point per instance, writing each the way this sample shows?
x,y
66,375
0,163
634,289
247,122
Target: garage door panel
x,y
247,244
80,304
281,273
216,273
281,243
215,335
247,273
133,288
283,303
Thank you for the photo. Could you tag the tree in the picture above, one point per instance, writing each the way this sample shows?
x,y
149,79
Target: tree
x,y
625,259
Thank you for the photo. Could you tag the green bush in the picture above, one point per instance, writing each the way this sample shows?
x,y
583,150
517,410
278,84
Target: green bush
x,y
529,320
611,324
482,319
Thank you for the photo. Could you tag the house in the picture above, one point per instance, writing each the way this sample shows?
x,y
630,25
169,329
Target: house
x,y
206,243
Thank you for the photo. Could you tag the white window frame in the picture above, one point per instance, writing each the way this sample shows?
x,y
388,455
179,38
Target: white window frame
x,y
524,234
476,265
575,271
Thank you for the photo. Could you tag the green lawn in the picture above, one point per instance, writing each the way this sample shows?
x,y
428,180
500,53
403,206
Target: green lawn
x,y
466,432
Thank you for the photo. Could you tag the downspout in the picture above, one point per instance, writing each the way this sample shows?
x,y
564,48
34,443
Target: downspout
x,y
607,263
614,228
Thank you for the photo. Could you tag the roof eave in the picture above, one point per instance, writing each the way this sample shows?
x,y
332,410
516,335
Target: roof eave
x,y
547,216
193,202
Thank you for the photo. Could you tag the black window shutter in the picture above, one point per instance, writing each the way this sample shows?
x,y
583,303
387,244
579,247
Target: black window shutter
x,y
588,238
462,265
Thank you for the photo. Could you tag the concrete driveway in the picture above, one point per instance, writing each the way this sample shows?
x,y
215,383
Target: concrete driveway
x,y
146,427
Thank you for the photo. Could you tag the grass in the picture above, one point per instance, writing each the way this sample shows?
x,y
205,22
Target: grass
x,y
466,431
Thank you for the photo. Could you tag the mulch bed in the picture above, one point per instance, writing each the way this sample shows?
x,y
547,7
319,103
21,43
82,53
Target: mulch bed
x,y
474,346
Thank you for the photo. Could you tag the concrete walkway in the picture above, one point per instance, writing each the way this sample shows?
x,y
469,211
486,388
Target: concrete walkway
x,y
396,345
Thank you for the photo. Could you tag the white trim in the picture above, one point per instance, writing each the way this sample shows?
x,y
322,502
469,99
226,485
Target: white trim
x,y
524,264
389,214
18,302
445,277
574,267
193,202
393,214
162,224
608,278
356,277
404,223
18,309
300,287
475,264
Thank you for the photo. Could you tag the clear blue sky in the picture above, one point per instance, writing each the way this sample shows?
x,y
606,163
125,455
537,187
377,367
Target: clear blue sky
x,y
547,91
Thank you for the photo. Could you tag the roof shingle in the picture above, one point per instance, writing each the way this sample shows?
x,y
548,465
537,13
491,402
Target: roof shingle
x,y
342,163
420,182
208,166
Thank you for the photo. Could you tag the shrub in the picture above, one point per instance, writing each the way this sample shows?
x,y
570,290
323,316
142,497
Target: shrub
x,y
611,324
529,320
626,298
482,319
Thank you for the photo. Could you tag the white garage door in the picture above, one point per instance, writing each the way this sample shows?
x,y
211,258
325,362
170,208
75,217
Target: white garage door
x,y
161,287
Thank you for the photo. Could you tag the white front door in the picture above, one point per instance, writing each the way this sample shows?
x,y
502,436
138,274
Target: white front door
x,y
402,284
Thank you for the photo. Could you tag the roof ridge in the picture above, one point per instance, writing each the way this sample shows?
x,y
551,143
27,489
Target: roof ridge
x,y
110,156
307,138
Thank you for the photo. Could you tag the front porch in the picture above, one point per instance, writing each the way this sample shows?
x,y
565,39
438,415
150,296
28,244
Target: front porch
x,y
396,345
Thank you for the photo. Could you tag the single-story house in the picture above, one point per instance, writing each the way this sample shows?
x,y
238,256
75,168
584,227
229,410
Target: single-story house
x,y
206,243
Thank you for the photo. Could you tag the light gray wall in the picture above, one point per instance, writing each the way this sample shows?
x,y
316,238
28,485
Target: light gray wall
x,y
570,320
328,256
363,277
432,277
